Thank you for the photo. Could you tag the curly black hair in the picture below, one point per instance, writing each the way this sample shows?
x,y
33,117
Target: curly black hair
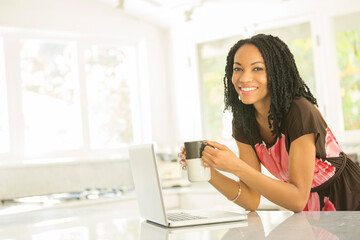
x,y
284,83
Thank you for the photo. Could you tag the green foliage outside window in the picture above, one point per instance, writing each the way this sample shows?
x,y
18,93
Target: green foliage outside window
x,y
213,95
303,54
212,60
348,55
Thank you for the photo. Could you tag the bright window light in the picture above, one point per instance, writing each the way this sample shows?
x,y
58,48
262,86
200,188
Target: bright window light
x,y
50,96
109,74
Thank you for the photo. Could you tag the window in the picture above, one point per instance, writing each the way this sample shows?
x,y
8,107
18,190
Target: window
x,y
50,95
298,38
109,75
212,60
347,38
69,97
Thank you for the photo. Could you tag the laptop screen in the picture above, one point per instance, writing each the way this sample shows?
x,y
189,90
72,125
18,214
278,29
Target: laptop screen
x,y
147,183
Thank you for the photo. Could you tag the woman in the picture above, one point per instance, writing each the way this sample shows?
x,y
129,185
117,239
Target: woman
x,y
276,123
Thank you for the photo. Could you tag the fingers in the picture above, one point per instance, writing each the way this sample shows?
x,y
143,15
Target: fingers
x,y
181,154
210,150
183,164
207,159
216,145
182,157
206,165
212,155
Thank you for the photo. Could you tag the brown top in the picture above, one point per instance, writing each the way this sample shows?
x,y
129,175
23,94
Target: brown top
x,y
303,118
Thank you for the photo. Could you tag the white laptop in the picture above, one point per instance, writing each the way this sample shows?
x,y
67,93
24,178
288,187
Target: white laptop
x,y
150,198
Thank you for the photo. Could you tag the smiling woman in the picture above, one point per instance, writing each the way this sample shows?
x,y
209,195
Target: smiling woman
x,y
276,123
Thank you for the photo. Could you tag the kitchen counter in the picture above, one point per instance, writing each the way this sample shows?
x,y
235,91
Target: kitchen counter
x,y
193,197
110,221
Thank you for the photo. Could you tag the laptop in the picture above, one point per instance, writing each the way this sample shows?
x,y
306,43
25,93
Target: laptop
x,y
150,197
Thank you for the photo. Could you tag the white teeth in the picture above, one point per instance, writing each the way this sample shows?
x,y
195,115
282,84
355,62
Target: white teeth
x,y
248,89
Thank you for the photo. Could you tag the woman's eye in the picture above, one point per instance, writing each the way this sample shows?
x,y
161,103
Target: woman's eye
x,y
258,69
237,69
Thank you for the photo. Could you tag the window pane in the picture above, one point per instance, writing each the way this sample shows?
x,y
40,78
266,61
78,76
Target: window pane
x,y
50,96
298,39
347,35
4,127
110,72
212,60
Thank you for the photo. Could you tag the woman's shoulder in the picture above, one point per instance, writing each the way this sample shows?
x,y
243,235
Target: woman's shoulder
x,y
303,114
302,103
239,134
302,107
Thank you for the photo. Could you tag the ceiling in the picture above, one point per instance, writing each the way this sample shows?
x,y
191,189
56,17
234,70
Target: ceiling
x,y
165,13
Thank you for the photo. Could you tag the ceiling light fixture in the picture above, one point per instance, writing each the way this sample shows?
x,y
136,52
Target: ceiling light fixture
x,y
120,4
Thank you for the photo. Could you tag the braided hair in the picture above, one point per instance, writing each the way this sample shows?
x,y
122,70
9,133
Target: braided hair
x,y
283,82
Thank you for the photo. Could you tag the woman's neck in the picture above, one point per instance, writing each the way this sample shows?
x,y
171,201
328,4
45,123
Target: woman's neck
x,y
262,111
262,117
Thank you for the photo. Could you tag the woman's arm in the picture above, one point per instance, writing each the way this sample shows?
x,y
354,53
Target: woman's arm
x,y
249,199
292,195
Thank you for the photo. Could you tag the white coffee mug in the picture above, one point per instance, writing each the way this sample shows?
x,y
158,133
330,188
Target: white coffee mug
x,y
195,167
196,170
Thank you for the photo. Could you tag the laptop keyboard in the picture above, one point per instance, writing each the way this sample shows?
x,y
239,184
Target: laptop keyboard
x,y
181,216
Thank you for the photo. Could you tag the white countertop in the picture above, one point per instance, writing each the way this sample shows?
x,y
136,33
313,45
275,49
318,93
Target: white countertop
x,y
109,221
174,198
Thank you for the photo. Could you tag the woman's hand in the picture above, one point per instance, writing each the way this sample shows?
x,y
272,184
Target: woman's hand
x,y
220,157
182,157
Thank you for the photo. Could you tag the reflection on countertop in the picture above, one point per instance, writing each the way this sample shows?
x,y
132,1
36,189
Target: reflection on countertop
x,y
111,221
87,197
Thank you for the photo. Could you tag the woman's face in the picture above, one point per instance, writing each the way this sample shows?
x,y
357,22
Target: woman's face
x,y
249,76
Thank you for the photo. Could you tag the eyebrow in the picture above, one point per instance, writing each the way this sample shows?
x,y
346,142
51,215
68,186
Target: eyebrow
x,y
250,64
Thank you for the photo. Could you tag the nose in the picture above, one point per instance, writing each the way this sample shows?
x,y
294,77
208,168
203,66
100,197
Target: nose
x,y
245,77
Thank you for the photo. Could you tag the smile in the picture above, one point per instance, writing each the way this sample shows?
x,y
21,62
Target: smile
x,y
248,89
